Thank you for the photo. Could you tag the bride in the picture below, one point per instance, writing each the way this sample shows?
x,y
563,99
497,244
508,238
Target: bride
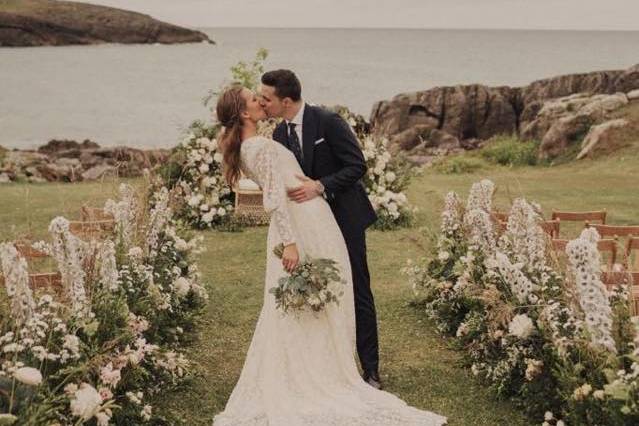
x,y
300,370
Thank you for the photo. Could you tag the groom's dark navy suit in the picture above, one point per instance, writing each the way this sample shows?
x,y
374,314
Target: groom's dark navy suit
x,y
332,155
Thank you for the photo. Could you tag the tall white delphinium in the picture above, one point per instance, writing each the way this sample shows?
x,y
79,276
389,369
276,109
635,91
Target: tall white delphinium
x,y
158,219
525,238
585,264
123,212
451,215
481,196
521,287
16,282
109,275
480,231
66,249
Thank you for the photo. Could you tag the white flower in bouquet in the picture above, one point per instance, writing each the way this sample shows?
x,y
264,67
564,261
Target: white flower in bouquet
x,y
110,376
218,157
72,344
146,413
182,286
582,392
135,397
195,200
181,245
103,417
135,252
203,142
208,217
521,326
195,156
533,368
390,177
221,211
203,168
28,375
86,402
443,256
204,207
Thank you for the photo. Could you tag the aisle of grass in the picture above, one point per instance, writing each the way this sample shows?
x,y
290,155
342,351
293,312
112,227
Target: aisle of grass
x,y
417,364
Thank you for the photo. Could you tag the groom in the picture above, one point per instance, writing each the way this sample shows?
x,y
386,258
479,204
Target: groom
x,y
333,163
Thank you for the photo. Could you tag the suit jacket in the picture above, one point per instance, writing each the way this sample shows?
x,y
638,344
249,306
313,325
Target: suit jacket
x,y
333,156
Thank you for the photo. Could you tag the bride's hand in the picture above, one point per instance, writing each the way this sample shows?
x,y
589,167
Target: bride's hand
x,y
290,257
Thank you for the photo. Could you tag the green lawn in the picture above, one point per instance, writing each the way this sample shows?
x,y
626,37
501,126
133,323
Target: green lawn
x,y
417,364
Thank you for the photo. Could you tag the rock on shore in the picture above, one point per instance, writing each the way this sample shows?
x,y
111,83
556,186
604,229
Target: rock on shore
x,y
70,161
55,23
556,111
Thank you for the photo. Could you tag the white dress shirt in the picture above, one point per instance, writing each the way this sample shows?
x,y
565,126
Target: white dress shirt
x,y
297,120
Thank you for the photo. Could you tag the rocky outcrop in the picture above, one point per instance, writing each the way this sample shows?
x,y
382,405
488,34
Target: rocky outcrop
x,y
70,161
55,23
601,136
568,105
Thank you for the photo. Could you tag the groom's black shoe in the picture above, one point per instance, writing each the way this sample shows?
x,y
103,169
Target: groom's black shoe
x,y
372,378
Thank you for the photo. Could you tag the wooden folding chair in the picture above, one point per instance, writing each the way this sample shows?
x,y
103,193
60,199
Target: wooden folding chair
x,y
91,214
551,227
580,216
615,230
632,246
559,244
499,216
46,280
39,280
95,229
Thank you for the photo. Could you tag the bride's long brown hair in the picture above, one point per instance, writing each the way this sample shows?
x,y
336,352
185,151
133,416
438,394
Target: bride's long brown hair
x,y
229,107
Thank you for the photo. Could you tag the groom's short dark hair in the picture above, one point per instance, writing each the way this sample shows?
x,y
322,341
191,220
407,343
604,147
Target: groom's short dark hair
x,y
285,82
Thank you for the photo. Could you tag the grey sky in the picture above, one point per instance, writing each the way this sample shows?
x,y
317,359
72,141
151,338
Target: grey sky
x,y
510,14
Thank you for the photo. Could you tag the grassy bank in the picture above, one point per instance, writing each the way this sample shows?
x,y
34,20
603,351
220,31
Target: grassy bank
x,y
416,363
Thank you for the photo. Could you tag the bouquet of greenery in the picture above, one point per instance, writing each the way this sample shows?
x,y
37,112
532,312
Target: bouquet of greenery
x,y
314,284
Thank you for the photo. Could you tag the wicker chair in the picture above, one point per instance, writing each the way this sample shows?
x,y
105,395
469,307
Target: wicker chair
x,y
249,206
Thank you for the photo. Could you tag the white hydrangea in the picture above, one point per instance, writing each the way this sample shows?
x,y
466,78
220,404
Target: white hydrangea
x,y
521,326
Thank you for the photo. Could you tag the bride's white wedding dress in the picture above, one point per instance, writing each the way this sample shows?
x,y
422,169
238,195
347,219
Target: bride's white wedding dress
x,y
300,369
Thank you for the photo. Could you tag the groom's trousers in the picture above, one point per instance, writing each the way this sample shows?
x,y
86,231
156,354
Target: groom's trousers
x,y
365,315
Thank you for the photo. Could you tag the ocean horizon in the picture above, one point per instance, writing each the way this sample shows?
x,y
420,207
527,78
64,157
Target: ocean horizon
x,y
146,95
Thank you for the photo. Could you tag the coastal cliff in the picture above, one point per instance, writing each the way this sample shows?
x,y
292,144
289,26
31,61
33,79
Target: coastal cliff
x,y
25,23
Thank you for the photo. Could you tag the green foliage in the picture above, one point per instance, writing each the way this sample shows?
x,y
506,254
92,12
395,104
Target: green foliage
x,y
244,73
510,151
461,164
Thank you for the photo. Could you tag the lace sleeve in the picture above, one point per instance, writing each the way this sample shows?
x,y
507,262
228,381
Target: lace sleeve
x,y
274,193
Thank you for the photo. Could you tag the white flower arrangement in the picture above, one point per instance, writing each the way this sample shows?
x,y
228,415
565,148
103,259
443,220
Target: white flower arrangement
x,y
384,182
207,199
123,278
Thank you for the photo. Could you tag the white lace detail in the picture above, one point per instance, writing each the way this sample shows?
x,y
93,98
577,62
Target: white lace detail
x,y
260,167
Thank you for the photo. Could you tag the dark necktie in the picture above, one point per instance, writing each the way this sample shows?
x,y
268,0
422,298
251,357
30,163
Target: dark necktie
x,y
294,143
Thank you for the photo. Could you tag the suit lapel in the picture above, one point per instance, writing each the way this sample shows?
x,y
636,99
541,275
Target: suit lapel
x,y
280,134
309,131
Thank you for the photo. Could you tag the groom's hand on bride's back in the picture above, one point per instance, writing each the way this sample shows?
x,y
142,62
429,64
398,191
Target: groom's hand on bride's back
x,y
307,190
